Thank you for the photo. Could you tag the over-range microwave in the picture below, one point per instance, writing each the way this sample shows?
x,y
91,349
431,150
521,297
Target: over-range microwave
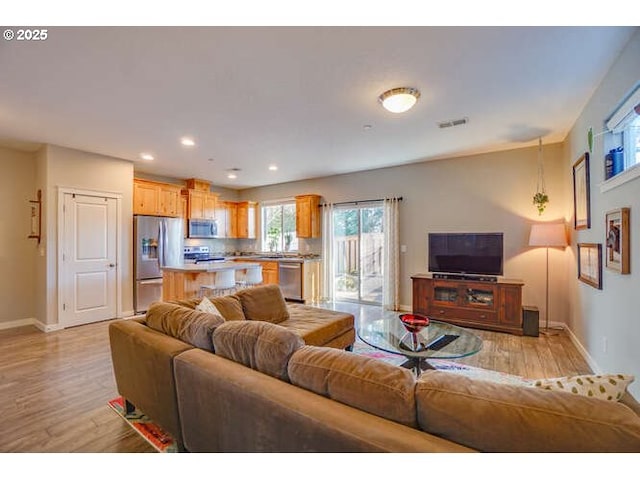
x,y
203,228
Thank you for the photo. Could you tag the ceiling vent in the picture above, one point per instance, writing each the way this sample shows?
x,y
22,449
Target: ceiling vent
x,y
453,123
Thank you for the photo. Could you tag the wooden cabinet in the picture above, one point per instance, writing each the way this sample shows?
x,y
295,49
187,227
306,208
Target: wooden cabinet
x,y
236,219
246,219
308,216
154,198
226,216
200,204
469,303
184,213
269,272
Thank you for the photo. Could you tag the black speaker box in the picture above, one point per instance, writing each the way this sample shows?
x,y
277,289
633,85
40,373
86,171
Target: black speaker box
x,y
530,321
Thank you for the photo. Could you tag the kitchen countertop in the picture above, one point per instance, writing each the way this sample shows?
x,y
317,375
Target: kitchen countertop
x,y
268,258
209,266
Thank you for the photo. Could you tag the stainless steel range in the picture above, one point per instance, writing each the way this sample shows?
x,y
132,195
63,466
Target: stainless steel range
x,y
200,254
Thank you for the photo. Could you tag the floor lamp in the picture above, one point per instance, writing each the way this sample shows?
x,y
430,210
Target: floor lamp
x,y
547,235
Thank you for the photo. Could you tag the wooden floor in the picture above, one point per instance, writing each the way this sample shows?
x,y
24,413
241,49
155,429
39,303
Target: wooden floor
x,y
54,387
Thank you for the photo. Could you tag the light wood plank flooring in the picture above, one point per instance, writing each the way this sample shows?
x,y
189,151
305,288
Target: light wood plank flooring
x,y
54,387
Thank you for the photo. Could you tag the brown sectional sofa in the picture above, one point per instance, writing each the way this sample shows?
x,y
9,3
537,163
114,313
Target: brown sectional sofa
x,y
266,389
143,350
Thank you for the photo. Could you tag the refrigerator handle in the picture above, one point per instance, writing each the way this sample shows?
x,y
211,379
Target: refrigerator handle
x,y
161,243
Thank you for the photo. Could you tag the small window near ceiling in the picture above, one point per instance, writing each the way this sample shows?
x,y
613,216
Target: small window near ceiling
x,y
622,142
279,227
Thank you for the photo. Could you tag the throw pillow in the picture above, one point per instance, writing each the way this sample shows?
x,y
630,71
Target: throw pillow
x,y
605,387
206,306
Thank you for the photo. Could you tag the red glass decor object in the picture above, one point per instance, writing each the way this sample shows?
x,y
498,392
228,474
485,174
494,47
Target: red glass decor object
x,y
413,322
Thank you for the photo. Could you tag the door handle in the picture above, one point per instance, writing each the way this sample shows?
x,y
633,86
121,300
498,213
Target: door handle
x,y
111,265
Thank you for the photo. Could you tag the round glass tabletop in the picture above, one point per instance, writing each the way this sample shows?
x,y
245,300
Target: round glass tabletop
x,y
437,340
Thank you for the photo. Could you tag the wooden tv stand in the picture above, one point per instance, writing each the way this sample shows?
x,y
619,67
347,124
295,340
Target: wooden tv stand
x,y
470,303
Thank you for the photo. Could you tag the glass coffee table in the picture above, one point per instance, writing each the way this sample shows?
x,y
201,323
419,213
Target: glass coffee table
x,y
439,340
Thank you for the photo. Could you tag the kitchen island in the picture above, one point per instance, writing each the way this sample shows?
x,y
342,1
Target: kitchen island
x,y
184,281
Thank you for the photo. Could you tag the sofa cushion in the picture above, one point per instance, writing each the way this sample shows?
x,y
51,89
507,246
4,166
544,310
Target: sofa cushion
x,y
229,306
364,383
317,326
262,346
190,326
493,417
264,303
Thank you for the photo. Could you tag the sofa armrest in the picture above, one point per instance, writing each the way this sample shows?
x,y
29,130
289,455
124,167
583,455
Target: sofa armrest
x,y
143,367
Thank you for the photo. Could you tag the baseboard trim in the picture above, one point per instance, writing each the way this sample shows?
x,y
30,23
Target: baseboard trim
x,y
128,313
23,322
583,351
47,328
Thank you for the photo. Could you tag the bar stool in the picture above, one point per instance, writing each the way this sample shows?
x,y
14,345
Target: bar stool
x,y
224,282
249,277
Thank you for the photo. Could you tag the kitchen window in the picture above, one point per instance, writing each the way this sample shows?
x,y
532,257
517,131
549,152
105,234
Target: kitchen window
x,y
279,227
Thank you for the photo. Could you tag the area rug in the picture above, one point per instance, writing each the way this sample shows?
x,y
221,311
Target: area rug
x,y
475,373
151,432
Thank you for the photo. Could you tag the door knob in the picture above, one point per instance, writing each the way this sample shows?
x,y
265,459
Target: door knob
x,y
111,265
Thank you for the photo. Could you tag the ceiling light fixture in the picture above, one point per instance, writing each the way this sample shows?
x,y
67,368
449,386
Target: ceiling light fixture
x,y
232,173
232,176
273,168
187,141
398,100
146,156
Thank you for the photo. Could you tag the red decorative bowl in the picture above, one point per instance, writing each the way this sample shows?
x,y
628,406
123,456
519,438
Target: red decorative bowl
x,y
414,322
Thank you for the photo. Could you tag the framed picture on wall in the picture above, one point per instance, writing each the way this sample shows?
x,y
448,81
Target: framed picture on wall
x,y
617,240
590,264
581,198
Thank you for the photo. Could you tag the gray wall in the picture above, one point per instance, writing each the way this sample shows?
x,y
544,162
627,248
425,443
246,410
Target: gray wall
x,y
606,321
484,193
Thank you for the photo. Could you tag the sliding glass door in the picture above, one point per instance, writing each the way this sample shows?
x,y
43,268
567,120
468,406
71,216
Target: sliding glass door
x,y
358,252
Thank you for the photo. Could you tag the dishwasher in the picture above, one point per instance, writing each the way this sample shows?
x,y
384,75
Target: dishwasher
x,y
290,279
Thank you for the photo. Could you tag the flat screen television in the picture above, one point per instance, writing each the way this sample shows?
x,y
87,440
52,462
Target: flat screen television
x,y
466,253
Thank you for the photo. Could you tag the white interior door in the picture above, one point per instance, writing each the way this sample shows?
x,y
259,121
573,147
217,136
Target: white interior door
x,y
89,259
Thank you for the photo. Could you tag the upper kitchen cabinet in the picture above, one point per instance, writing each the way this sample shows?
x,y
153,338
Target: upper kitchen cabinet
x,y
246,219
226,218
236,219
308,216
155,198
201,203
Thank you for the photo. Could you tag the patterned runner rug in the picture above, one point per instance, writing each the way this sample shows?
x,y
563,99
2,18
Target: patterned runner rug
x,y
151,432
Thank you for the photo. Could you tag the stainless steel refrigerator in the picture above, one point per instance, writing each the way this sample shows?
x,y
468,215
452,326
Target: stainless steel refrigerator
x,y
158,242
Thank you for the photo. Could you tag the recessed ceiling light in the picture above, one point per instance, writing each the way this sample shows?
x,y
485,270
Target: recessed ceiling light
x,y
273,168
187,141
367,127
398,100
232,173
232,176
146,156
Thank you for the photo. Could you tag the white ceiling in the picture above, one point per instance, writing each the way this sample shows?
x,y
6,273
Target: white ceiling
x,y
297,97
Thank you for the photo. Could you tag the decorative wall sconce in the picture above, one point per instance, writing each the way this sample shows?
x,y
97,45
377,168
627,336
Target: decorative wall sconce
x,y
36,217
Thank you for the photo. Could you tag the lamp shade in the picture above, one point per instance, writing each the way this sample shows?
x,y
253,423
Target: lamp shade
x,y
548,235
